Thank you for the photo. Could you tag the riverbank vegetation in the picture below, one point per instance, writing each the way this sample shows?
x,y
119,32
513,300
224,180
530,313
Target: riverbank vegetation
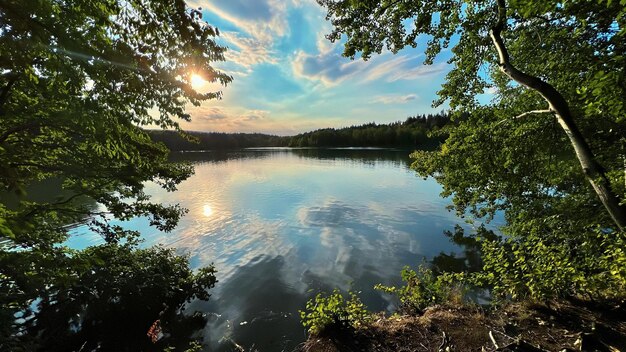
x,y
416,132
547,152
520,326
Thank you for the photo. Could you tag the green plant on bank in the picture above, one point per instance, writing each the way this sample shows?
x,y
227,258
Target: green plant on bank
x,y
549,262
193,347
546,265
423,288
334,313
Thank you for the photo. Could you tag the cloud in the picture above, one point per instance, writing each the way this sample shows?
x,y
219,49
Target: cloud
x,y
491,91
300,3
248,51
259,24
331,68
236,119
210,114
262,19
254,115
225,116
418,72
394,99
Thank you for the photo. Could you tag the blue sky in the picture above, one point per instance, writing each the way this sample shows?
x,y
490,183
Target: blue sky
x,y
289,79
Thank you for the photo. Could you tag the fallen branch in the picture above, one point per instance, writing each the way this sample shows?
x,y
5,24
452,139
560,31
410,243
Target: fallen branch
x,y
521,346
444,344
493,339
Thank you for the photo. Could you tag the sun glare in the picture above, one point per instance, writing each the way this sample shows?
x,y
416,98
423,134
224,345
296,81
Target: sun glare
x,y
197,81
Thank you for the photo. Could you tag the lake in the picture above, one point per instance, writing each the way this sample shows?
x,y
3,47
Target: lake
x,y
281,225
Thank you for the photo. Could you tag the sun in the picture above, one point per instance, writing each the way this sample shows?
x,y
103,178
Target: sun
x,y
197,81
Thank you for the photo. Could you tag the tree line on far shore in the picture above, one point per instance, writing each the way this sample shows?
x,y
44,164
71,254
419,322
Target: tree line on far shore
x,y
413,133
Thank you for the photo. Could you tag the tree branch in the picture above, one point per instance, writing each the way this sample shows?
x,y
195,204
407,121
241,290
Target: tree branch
x,y
545,111
384,9
10,131
4,93
594,172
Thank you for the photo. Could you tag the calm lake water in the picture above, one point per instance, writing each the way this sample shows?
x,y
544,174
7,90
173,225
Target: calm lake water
x,y
281,225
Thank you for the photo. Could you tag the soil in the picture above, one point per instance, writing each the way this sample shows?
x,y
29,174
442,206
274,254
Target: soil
x,y
557,326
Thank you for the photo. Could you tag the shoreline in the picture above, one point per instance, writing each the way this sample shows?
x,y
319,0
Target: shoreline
x,y
524,326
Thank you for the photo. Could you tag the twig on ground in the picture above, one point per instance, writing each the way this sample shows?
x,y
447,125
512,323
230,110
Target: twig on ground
x,y
493,339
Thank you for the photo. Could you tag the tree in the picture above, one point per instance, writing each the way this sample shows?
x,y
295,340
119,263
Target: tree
x,y
78,79
581,81
548,150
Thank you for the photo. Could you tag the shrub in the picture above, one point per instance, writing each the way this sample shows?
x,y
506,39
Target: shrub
x,y
548,263
423,288
333,313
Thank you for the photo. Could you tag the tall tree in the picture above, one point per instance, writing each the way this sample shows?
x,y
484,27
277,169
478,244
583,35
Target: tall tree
x,y
78,79
570,55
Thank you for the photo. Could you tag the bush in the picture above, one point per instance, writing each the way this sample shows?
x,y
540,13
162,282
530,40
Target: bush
x,y
333,313
548,263
423,288
113,295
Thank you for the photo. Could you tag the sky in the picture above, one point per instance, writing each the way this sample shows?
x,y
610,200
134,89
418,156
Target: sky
x,y
288,78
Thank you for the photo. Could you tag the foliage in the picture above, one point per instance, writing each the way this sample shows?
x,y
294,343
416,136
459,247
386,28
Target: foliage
x,y
216,140
424,288
110,297
414,132
333,313
78,80
556,264
193,347
559,239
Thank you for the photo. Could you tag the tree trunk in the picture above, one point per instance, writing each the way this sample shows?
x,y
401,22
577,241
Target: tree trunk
x,y
594,172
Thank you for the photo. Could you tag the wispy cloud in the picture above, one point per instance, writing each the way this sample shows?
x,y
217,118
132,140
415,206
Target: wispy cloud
x,y
262,19
235,119
401,67
208,113
331,68
394,99
248,51
226,116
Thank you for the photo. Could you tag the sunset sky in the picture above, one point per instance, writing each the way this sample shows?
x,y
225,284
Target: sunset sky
x,y
289,79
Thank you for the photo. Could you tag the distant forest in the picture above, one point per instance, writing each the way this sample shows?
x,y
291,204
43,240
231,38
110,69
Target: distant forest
x,y
412,133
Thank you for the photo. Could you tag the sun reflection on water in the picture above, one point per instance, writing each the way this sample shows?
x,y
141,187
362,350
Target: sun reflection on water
x,y
207,210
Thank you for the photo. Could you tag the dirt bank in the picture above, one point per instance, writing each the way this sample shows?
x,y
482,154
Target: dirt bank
x,y
569,326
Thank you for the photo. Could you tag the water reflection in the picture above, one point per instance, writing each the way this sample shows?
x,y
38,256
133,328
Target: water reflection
x,y
469,259
281,225
207,210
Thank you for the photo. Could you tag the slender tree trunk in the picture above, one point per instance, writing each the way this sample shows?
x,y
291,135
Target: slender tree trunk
x,y
594,172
